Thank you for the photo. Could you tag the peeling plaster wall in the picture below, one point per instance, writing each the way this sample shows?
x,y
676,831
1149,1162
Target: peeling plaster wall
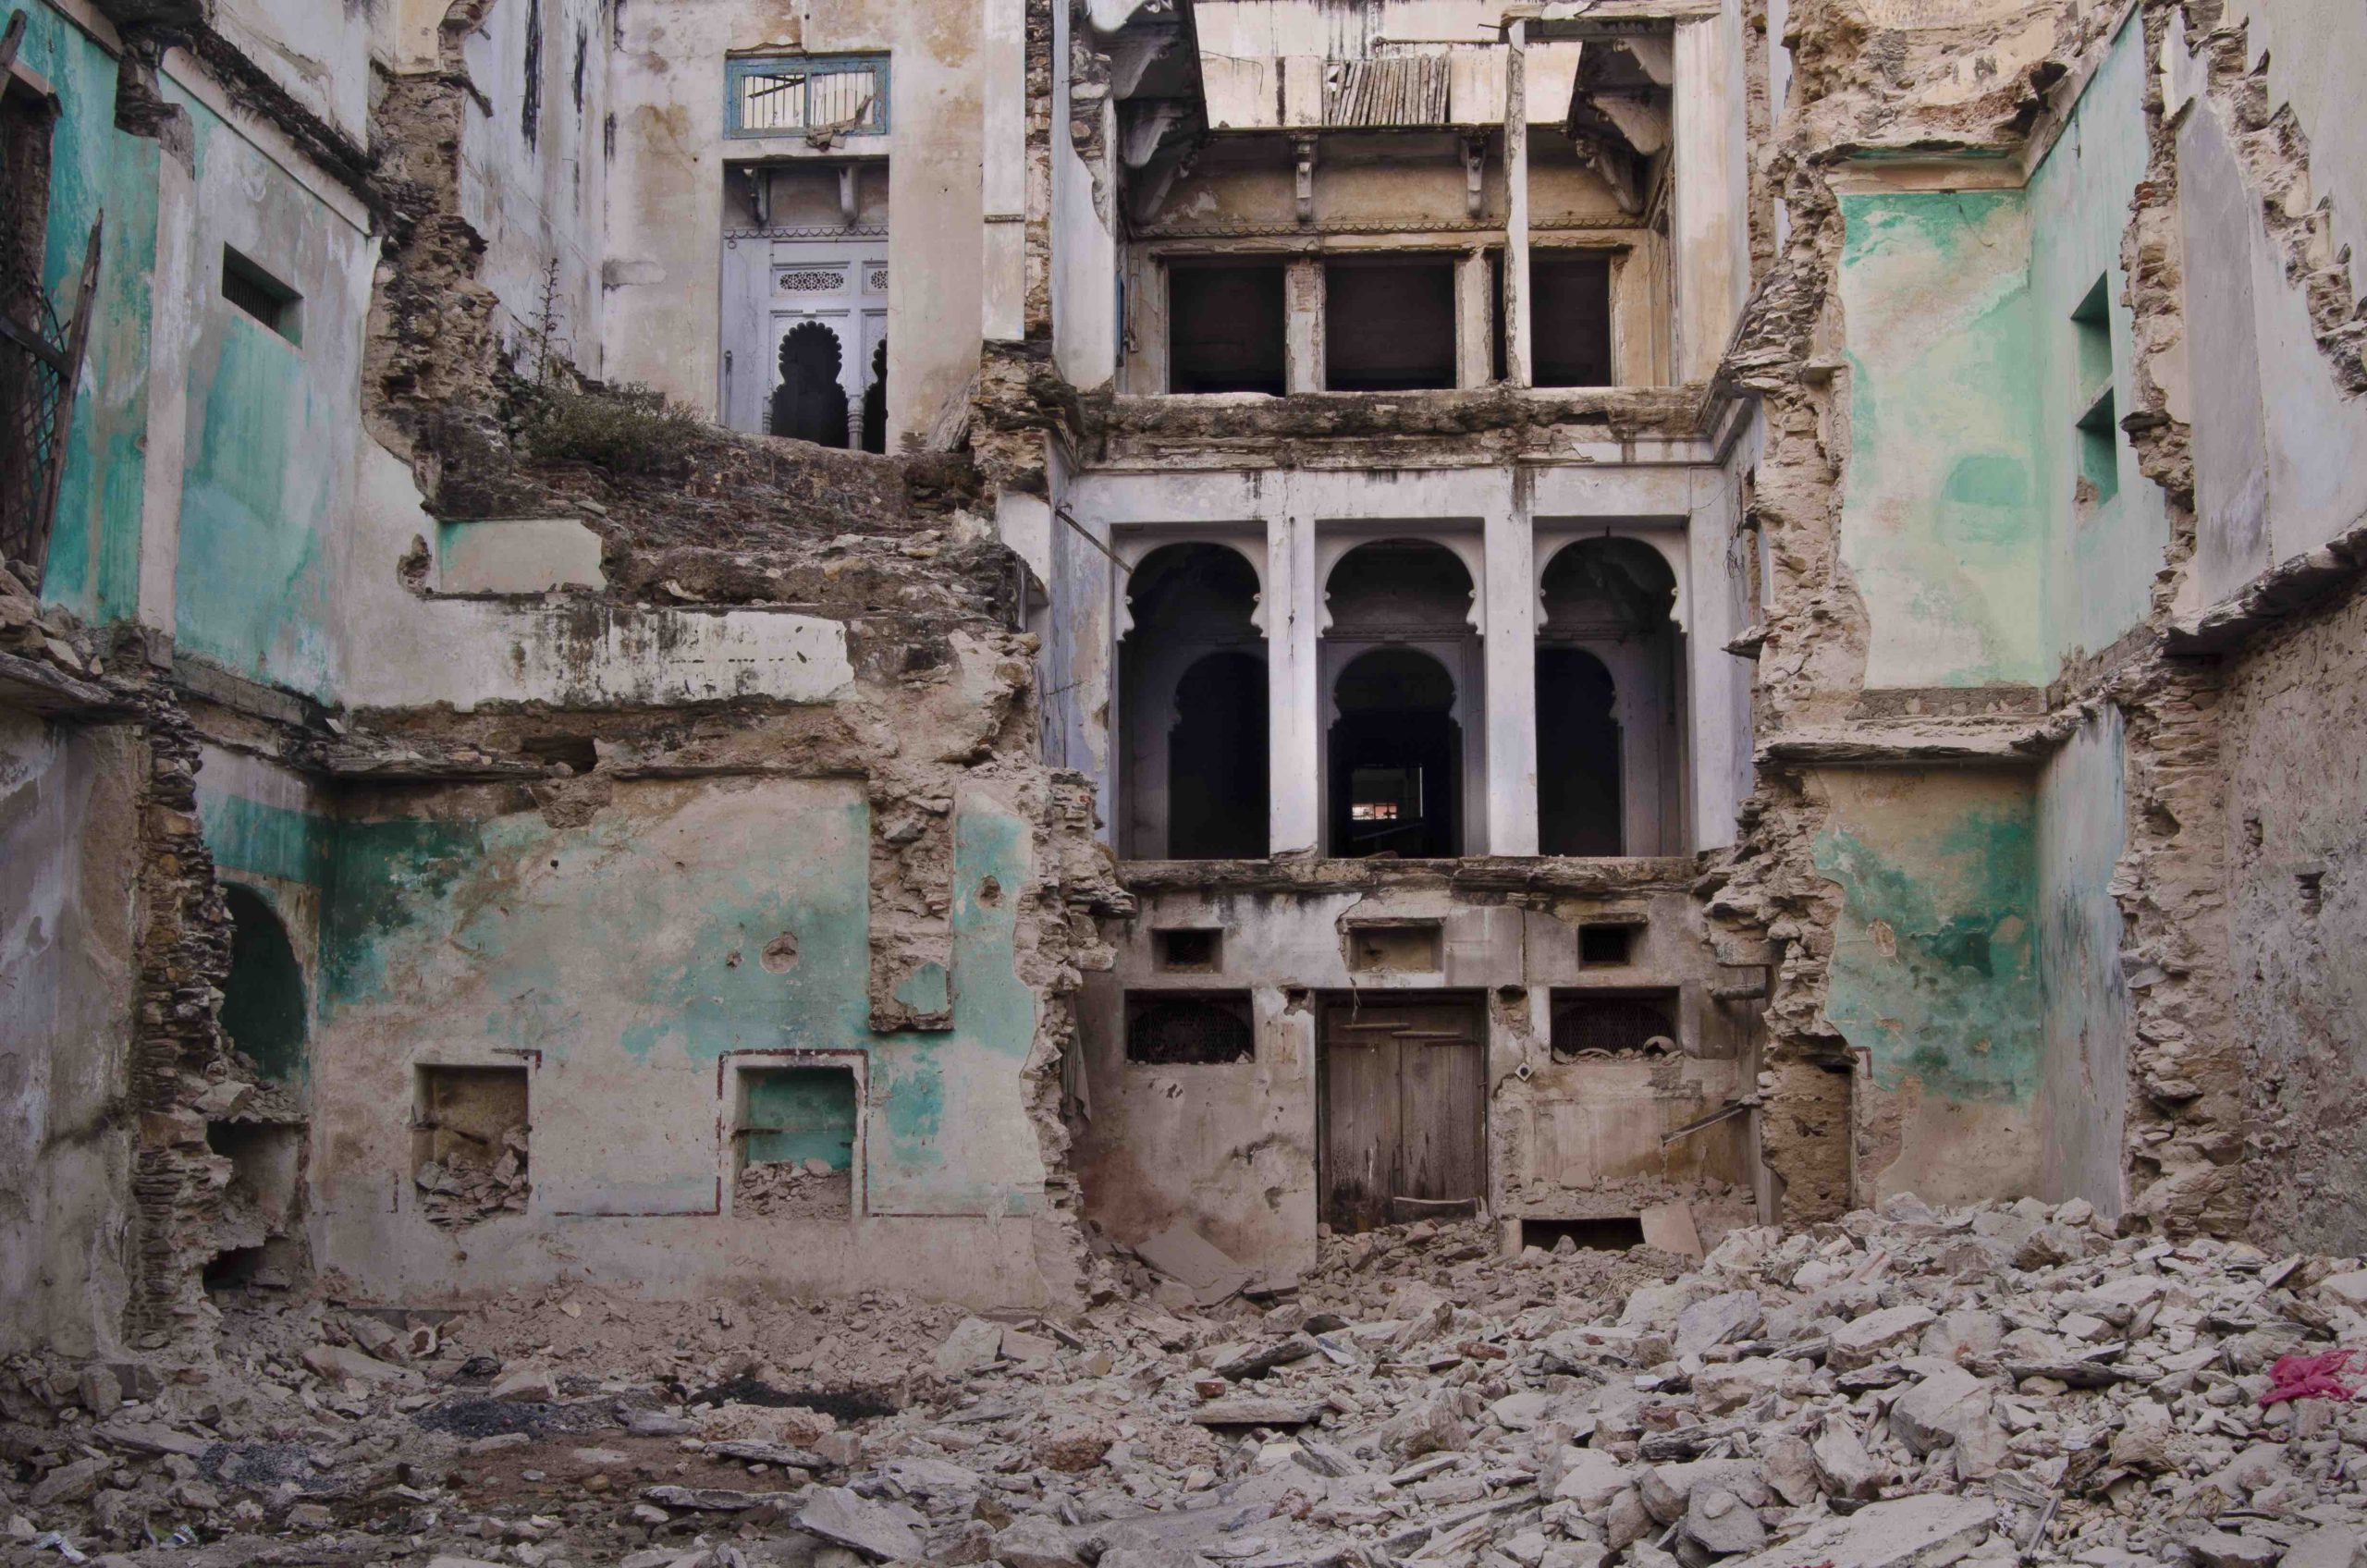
x,y
2083,1086
2296,749
1934,978
317,50
2316,55
667,191
273,425
619,959
69,866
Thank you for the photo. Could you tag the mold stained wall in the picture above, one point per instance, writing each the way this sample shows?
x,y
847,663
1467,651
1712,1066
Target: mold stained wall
x,y
1936,977
316,51
621,960
94,565
541,198
272,424
2083,1086
666,205
70,831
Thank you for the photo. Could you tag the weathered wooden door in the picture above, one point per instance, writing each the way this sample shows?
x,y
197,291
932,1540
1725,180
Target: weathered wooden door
x,y
1405,1087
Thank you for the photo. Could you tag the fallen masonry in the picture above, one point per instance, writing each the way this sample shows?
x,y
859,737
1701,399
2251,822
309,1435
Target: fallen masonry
x,y
1904,1388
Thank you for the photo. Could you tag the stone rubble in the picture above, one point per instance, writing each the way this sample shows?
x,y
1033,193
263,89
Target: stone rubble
x,y
1913,1387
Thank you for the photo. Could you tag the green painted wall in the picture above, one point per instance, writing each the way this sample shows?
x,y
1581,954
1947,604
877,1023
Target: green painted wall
x,y
798,1113
94,565
1940,519
1934,963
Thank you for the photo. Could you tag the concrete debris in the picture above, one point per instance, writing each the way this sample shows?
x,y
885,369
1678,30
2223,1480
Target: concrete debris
x,y
471,1185
794,1190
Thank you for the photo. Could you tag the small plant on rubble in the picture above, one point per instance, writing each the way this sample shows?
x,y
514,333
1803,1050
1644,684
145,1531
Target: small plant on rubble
x,y
625,430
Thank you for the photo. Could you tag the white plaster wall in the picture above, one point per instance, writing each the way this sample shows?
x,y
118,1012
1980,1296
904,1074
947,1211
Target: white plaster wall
x,y
1085,250
545,201
2317,57
2083,1089
665,203
318,49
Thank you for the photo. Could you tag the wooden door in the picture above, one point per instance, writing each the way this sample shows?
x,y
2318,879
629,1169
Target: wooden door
x,y
1403,1111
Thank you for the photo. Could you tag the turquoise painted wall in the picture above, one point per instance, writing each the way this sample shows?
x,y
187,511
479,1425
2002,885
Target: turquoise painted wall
x,y
2099,567
800,1113
94,565
1934,960
2082,829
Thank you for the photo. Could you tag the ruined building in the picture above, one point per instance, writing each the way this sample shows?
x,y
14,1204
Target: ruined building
x,y
797,646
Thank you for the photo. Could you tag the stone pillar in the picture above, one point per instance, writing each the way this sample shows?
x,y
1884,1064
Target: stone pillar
x,y
1294,694
1303,333
1475,353
1511,654
1517,338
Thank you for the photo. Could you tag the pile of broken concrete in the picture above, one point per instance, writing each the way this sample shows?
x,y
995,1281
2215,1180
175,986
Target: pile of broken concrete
x,y
1990,1385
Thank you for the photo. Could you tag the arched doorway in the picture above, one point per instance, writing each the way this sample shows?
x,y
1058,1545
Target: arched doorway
x,y
262,1001
875,403
809,404
1396,758
1194,770
1609,703
1217,776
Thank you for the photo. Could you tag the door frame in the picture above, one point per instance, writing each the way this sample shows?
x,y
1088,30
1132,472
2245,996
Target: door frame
x,y
1353,1001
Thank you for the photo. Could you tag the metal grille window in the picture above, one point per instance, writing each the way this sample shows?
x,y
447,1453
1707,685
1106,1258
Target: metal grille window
x,y
815,97
40,353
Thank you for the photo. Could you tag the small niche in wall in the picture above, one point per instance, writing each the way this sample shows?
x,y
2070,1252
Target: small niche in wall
x,y
261,296
1187,952
1615,1234
1409,946
469,1144
2097,431
1606,945
1201,1029
793,1143
1599,1024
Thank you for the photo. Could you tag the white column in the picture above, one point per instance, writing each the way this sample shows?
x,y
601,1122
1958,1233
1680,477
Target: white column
x,y
1293,692
1303,335
1516,340
1474,356
1002,72
1712,244
1511,653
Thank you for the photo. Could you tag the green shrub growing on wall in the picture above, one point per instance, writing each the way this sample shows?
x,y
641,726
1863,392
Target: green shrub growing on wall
x,y
625,430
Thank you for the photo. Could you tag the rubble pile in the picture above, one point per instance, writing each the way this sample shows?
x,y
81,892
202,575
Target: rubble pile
x,y
1989,1385
474,1181
788,1188
50,636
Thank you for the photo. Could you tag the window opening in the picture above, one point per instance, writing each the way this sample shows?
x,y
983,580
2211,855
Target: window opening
x,y
1606,945
1569,319
1225,328
1192,781
262,1001
1389,324
809,404
1599,1024
261,295
1202,1030
1613,1233
1396,758
1188,951
2097,428
794,1144
1608,695
1401,948
820,98
469,1144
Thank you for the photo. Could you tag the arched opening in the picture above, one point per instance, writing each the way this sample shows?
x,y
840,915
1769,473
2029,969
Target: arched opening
x,y
1194,772
875,403
1402,665
1216,760
809,404
1396,758
1609,725
262,1002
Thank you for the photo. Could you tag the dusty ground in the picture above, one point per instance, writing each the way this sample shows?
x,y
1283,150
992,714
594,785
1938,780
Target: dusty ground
x,y
1905,1388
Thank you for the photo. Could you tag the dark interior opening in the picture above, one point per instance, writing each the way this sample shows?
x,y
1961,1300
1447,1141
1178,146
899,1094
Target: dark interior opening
x,y
1225,328
1570,318
1396,758
1216,760
1578,807
1389,324
236,1270
875,401
1208,1029
262,1002
1608,946
578,754
809,404
1614,1024
1189,950
1614,1234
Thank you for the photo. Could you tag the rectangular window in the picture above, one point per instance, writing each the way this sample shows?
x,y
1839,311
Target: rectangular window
x,y
1570,318
1224,327
1402,947
468,1143
806,95
1613,1023
1194,953
1389,324
794,1142
1606,945
2096,432
261,295
1178,1029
